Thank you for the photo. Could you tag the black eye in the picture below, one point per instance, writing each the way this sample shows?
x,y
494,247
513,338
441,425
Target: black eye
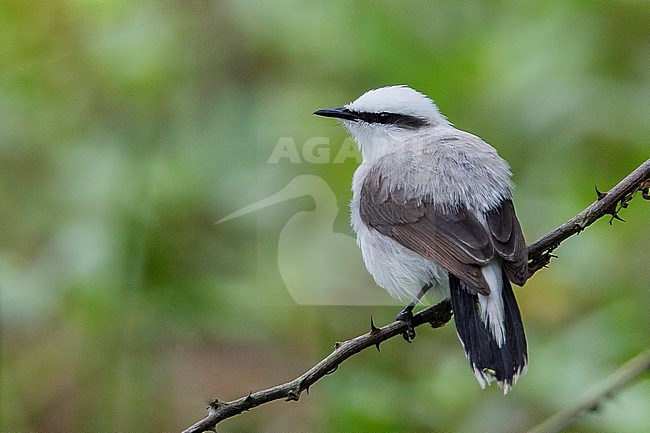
x,y
385,117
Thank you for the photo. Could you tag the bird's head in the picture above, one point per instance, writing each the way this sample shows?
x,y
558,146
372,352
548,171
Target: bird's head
x,y
381,119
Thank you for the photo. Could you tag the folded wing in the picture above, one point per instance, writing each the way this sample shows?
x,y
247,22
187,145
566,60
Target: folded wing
x,y
455,240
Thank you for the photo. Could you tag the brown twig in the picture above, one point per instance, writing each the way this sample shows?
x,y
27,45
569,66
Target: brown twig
x,y
539,253
437,315
610,203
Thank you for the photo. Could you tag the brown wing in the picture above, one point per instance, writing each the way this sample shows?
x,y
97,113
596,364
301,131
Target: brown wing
x,y
456,241
508,241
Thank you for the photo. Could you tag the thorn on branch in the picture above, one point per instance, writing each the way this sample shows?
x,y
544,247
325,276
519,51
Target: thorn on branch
x,y
293,394
373,328
625,200
623,203
541,261
214,405
645,189
615,217
249,399
373,331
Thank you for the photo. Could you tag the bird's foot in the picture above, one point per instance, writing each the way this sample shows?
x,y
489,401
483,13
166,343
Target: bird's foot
x,y
406,316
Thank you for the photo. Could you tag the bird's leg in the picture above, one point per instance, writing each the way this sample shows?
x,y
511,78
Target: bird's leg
x,y
406,315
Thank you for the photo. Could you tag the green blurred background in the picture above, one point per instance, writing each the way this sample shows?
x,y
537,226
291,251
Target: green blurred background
x,y
128,129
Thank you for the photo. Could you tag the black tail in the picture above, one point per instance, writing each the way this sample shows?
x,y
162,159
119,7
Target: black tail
x,y
487,359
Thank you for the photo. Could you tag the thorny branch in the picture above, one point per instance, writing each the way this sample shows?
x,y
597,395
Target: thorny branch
x,y
539,254
610,203
437,316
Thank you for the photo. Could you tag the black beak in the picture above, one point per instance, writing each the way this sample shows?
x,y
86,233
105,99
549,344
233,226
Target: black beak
x,y
338,113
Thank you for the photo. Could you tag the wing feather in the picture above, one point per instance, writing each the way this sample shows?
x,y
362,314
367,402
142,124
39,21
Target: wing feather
x,y
508,241
456,240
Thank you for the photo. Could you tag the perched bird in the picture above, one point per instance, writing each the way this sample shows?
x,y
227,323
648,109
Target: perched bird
x,y
432,207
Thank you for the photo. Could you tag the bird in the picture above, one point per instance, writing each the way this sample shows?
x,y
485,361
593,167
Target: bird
x,y
432,209
332,279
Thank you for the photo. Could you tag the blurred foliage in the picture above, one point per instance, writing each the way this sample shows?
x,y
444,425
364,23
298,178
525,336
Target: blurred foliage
x,y
129,128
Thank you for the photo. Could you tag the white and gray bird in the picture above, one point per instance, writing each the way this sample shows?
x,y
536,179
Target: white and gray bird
x,y
432,207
